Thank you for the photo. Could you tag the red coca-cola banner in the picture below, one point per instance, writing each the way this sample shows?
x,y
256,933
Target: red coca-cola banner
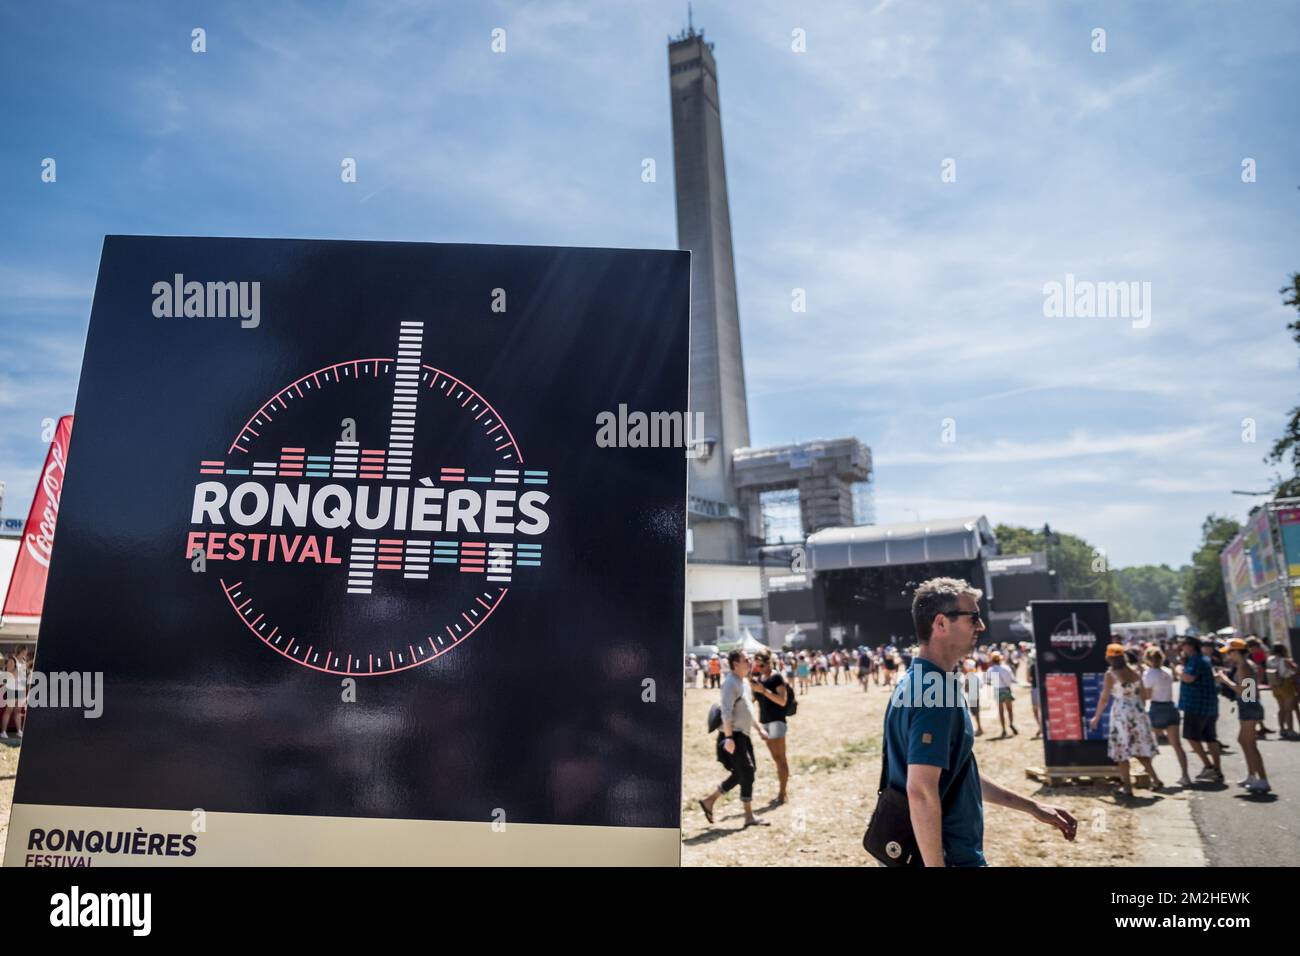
x,y
27,586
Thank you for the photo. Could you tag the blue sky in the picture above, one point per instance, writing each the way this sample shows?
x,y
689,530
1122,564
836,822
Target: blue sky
x,y
925,298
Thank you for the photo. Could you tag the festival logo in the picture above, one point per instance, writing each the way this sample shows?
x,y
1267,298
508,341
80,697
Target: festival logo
x,y
1073,639
370,515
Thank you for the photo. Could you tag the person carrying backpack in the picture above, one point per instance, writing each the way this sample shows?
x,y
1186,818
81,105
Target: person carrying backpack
x,y
775,703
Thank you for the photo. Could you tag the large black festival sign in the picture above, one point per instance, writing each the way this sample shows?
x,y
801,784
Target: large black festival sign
x,y
1070,639
361,583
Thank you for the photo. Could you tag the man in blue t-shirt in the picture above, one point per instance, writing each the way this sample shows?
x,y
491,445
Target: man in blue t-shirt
x,y
929,741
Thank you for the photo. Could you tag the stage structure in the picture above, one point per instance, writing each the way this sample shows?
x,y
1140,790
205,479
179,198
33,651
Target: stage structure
x,y
858,581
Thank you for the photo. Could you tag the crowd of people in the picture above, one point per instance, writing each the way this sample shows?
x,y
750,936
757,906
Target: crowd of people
x,y
1235,669
814,668
1137,693
996,665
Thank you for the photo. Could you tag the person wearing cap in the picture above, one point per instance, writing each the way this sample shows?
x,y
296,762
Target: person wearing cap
x,y
1130,728
1258,656
1242,678
1199,703
1002,678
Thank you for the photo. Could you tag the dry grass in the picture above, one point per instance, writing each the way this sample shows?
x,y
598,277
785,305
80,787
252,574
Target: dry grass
x,y
834,752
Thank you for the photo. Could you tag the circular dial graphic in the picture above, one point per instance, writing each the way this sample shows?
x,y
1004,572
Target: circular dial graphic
x,y
375,514
1072,638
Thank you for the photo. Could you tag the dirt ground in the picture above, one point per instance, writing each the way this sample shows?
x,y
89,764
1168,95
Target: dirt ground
x,y
834,752
8,770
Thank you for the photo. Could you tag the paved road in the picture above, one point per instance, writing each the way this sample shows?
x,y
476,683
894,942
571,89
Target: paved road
x,y
1237,828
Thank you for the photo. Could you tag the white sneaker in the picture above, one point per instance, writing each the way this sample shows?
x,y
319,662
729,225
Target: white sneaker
x,y
1246,781
1258,786
4,735
1184,781
1206,774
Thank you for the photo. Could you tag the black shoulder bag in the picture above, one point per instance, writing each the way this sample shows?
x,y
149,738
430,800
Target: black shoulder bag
x,y
889,837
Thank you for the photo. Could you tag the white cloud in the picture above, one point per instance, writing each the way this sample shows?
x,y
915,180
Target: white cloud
x,y
1079,444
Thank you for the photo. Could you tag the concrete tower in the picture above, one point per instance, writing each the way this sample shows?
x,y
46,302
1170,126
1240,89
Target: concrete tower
x,y
717,380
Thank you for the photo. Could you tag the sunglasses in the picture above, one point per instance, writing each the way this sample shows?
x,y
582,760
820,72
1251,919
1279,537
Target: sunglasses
x,y
974,615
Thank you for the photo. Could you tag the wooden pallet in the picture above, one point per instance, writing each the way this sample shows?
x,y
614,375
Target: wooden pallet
x,y
1056,776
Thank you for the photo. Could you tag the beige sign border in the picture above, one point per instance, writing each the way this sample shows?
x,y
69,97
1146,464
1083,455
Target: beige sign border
x,y
267,839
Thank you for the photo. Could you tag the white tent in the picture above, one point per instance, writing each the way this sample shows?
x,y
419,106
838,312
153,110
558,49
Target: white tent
x,y
751,645
8,558
13,629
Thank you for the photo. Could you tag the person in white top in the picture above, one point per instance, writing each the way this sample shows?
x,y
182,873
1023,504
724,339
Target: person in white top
x,y
1159,681
21,719
1001,679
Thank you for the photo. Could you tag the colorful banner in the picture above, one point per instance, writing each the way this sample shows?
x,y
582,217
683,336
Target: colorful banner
x,y
359,580
1259,548
1277,618
1238,566
26,594
1288,524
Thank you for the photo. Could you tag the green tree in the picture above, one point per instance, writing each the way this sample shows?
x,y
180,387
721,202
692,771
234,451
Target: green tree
x,y
1154,590
1203,593
1083,571
1286,450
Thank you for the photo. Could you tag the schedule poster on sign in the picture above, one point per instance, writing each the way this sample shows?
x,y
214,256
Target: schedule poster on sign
x,y
1070,638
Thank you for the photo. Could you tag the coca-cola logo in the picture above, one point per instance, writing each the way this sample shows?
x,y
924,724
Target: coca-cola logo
x,y
41,543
